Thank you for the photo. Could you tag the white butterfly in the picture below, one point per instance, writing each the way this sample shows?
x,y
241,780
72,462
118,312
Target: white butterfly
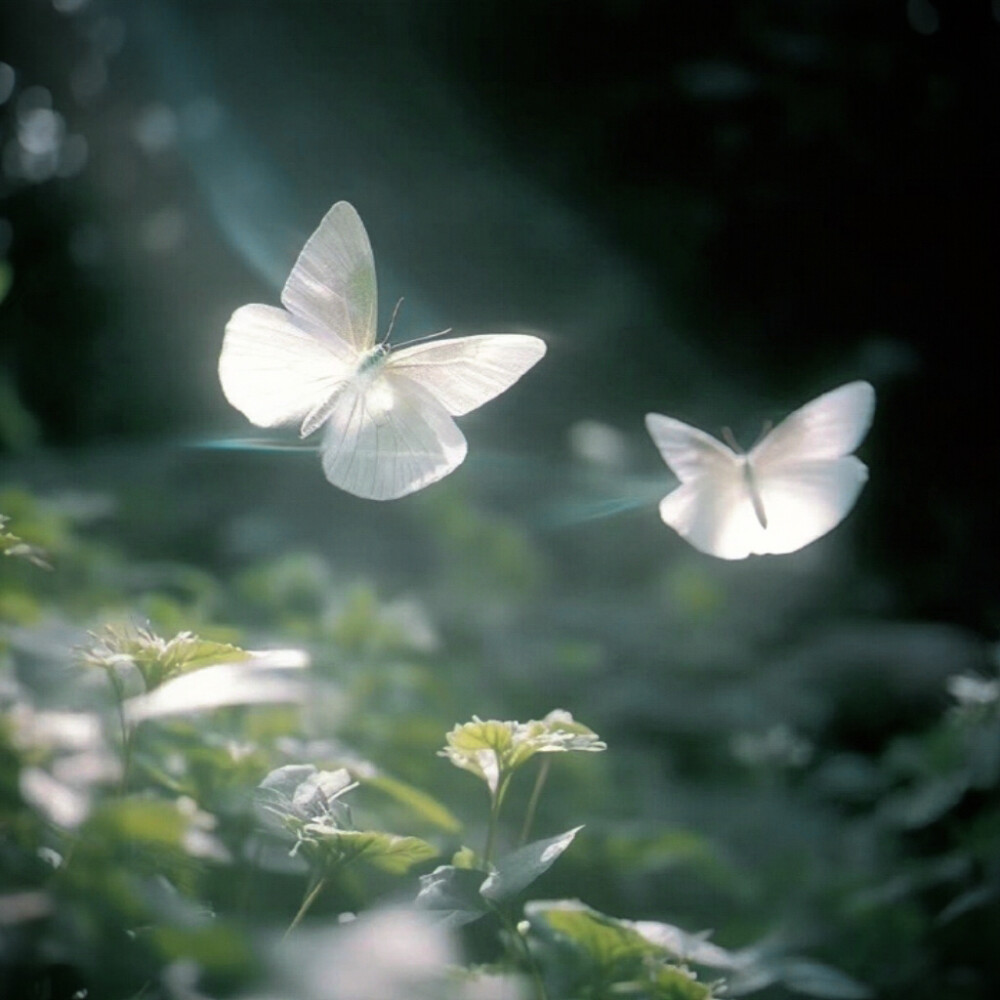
x,y
796,484
387,414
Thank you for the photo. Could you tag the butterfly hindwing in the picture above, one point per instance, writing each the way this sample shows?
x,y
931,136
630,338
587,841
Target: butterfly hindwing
x,y
387,437
805,500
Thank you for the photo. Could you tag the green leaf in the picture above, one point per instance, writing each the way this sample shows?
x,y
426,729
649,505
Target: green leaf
x,y
609,948
453,895
518,870
158,659
387,851
492,749
667,982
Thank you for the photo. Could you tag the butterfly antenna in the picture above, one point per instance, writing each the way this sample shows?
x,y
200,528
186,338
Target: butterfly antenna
x,y
730,439
429,336
392,319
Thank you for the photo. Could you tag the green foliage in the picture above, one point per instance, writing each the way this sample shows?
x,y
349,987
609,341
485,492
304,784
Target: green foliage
x,y
265,759
588,954
156,659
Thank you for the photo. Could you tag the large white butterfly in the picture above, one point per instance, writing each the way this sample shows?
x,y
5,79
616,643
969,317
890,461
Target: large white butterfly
x,y
796,484
387,414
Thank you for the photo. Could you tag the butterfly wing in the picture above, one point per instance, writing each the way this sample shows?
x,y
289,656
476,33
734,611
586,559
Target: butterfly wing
x,y
831,426
332,284
464,372
276,369
712,508
387,436
806,477
805,500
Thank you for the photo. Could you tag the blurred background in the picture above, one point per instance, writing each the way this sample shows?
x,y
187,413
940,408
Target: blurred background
x,y
714,211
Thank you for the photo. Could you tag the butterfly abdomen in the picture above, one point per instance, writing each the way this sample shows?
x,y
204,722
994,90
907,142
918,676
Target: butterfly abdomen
x,y
754,492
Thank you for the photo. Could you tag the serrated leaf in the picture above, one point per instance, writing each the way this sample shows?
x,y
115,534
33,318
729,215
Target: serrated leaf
x,y
453,895
518,870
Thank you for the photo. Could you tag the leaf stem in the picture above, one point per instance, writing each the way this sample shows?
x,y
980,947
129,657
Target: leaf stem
x,y
536,794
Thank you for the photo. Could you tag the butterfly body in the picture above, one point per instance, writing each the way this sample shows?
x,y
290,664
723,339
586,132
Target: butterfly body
x,y
792,487
386,414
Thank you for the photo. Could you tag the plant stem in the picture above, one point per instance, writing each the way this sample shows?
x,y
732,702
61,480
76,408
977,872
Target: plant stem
x,y
116,684
529,959
492,831
536,794
496,801
310,898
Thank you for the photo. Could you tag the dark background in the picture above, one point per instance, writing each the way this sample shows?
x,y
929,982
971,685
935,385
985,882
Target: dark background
x,y
713,210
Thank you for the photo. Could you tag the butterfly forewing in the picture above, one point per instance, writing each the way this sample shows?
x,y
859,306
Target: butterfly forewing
x,y
274,369
831,426
465,372
333,281
689,452
386,437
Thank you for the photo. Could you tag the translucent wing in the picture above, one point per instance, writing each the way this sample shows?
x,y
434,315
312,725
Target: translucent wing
x,y
715,514
713,507
805,500
689,452
275,369
332,284
465,372
831,426
386,436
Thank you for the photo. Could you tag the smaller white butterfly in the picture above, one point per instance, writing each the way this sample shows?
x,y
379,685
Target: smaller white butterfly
x,y
796,484
387,414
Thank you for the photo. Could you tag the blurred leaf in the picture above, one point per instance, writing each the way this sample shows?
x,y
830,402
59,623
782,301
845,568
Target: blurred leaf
x,y
609,950
982,895
391,853
817,980
423,804
518,870
217,948
453,895
216,687
685,947
12,545
158,660
667,982
927,801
